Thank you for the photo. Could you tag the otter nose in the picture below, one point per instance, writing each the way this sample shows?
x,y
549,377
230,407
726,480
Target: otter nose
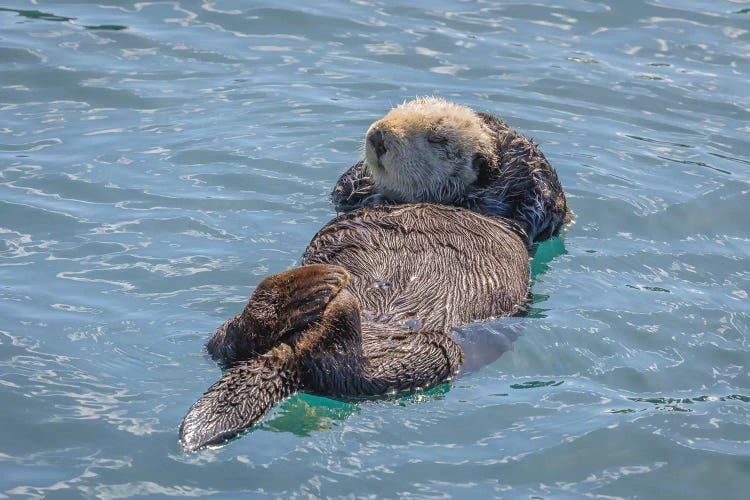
x,y
377,139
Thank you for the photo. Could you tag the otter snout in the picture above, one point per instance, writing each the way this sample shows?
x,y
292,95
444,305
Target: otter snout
x,y
376,138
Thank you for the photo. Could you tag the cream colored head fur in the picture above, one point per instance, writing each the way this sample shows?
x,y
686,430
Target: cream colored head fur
x,y
430,150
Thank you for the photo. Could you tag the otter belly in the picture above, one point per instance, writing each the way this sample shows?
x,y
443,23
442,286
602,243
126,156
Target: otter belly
x,y
428,267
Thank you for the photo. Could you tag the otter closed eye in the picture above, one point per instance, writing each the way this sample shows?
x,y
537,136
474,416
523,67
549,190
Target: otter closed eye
x,y
378,143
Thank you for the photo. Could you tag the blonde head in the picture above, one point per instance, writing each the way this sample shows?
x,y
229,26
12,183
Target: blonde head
x,y
428,150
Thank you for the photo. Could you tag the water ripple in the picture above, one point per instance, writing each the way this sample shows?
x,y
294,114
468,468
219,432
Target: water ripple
x,y
157,160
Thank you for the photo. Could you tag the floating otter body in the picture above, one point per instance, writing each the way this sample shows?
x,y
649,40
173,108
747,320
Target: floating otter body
x,y
424,247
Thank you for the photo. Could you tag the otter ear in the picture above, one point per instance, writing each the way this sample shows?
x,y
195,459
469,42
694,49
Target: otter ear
x,y
240,399
481,166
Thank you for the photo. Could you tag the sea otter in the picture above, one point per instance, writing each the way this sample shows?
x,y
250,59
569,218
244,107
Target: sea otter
x,y
435,234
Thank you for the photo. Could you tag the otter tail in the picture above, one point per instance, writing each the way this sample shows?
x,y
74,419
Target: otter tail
x,y
243,395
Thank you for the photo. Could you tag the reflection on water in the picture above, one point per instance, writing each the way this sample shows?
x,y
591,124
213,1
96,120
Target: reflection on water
x,y
304,413
483,343
545,253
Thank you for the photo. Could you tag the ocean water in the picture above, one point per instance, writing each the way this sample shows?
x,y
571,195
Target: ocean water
x,y
158,159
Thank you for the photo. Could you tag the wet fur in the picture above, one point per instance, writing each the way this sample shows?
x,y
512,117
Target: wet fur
x,y
367,314
382,284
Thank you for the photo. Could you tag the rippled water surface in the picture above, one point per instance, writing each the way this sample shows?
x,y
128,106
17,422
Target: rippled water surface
x,y
157,160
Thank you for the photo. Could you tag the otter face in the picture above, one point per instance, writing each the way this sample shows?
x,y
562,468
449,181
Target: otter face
x,y
428,150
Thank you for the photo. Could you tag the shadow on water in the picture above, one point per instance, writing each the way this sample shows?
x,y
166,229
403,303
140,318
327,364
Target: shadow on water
x,y
303,414
35,14
46,16
483,343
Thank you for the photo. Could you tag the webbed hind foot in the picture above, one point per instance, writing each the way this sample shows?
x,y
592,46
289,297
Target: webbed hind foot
x,y
282,305
300,295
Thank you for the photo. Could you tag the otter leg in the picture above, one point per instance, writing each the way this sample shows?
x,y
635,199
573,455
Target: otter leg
x,y
341,356
406,361
277,330
281,305
240,398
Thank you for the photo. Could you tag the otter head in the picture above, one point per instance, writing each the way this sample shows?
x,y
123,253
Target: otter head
x,y
429,150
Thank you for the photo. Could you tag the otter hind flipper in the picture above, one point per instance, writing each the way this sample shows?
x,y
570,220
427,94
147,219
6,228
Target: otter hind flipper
x,y
281,305
243,395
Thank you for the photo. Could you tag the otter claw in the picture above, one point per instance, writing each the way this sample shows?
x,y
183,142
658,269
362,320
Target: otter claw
x,y
338,280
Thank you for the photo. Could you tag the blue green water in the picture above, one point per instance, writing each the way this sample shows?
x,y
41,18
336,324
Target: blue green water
x,y
157,160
